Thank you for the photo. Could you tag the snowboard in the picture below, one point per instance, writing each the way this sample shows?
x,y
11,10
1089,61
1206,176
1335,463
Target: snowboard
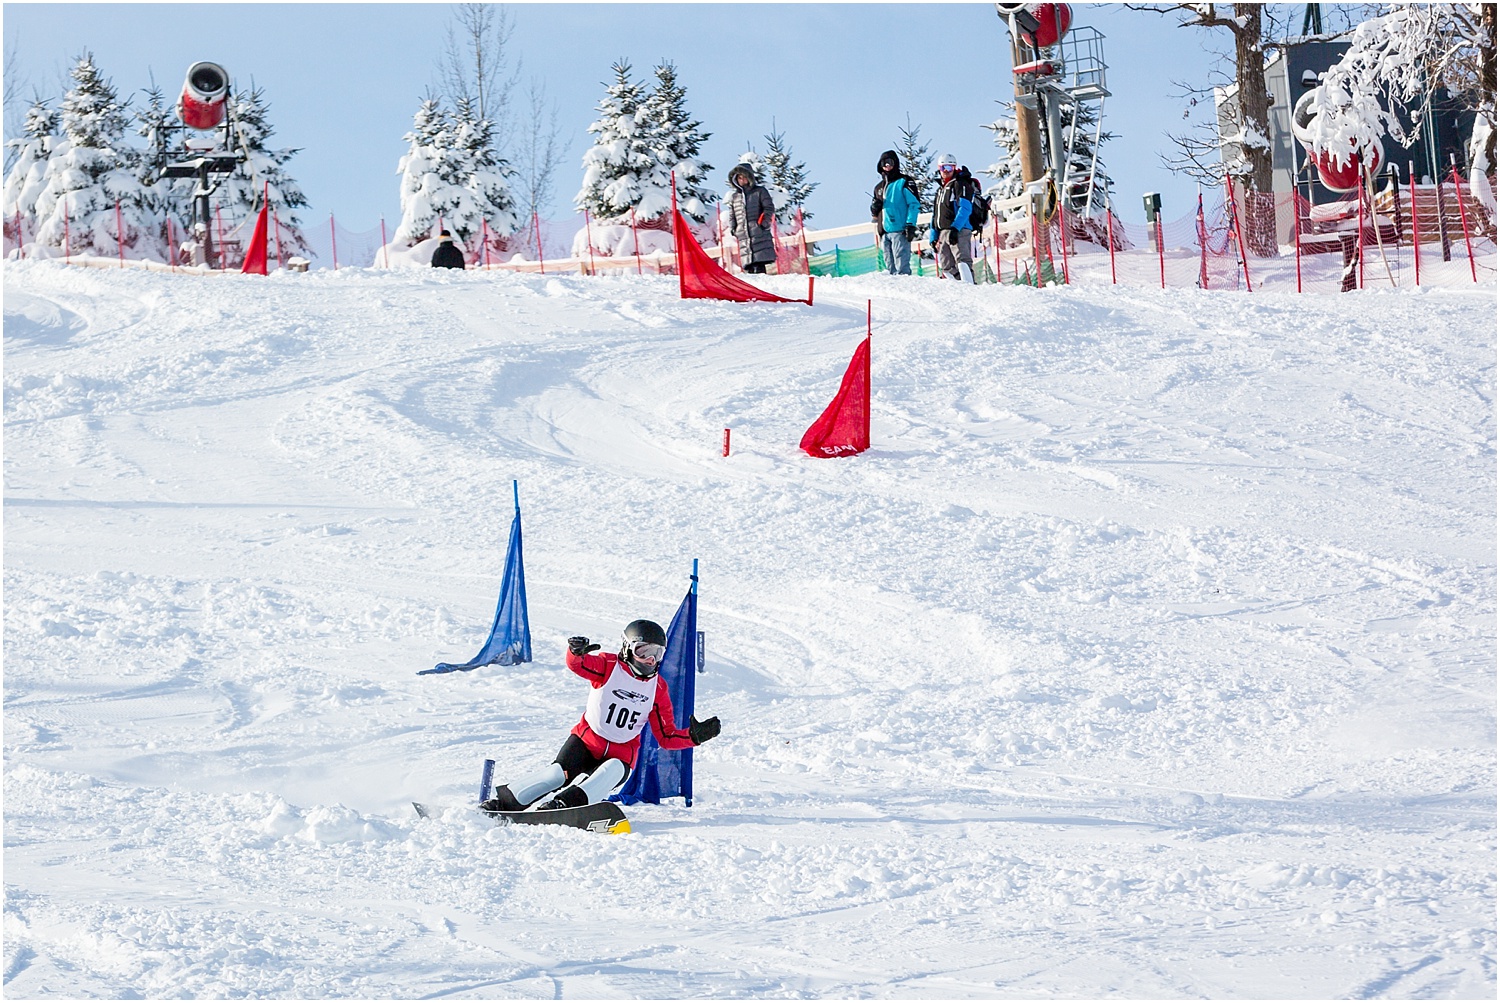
x,y
605,816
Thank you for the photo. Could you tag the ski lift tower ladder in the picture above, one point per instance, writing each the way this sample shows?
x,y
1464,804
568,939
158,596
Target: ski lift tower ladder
x,y
1077,78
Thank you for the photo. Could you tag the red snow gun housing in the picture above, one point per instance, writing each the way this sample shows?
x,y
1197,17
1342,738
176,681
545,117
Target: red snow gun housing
x,y
202,105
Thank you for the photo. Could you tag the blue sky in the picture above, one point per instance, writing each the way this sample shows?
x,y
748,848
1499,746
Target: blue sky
x,y
343,80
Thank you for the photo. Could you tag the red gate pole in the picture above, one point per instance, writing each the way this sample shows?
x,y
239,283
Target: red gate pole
x,y
334,238
1416,229
635,236
119,236
1463,215
588,233
385,255
1239,232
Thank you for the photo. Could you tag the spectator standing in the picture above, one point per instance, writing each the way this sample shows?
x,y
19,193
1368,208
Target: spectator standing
x,y
895,208
751,215
447,254
952,220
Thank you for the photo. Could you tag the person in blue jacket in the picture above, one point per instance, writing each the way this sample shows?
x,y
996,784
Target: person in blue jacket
x,y
895,208
953,212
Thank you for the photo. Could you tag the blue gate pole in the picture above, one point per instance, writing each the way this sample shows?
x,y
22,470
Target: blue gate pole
x,y
485,779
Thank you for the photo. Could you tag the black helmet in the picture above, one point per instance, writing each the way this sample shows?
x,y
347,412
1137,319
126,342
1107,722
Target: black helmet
x,y
642,646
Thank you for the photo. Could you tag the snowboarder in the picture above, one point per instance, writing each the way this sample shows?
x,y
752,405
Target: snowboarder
x,y
952,227
600,751
751,213
895,208
447,254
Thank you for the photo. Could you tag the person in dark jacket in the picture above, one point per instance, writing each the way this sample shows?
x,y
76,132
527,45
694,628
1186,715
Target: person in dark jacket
x,y
751,214
952,231
447,254
895,208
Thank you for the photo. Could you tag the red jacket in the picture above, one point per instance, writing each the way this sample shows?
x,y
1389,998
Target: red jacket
x,y
596,668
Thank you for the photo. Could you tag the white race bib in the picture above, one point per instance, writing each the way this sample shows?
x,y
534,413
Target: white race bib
x,y
617,711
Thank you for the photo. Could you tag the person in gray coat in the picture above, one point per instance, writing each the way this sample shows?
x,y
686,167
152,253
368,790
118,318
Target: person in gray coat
x,y
751,213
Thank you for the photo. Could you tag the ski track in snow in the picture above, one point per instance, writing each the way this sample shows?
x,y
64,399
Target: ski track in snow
x,y
1150,652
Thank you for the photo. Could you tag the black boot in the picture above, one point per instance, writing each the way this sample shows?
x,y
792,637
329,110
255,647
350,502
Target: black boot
x,y
503,800
568,797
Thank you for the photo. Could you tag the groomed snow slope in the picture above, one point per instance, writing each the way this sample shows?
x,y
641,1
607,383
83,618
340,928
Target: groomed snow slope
x,y
1150,652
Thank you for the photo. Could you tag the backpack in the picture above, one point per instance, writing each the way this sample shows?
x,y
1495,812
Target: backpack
x,y
980,213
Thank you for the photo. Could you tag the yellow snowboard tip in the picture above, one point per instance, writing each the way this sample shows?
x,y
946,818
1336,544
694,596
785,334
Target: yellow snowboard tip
x,y
620,828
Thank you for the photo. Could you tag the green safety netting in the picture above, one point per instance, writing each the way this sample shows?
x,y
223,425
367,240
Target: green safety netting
x,y
857,261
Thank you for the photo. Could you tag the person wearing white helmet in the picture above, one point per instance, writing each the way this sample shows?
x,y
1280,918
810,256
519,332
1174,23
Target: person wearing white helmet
x,y
952,230
600,752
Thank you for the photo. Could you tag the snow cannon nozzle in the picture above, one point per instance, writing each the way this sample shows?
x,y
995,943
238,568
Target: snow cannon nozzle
x,y
205,94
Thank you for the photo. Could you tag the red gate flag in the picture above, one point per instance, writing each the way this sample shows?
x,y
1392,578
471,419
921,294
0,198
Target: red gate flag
x,y
700,277
255,256
843,428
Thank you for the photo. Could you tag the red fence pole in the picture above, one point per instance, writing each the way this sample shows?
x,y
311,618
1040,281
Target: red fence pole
x,y
219,225
1360,243
171,245
1297,234
588,234
637,238
484,241
1416,229
1463,215
1161,251
1202,245
1109,229
1062,236
536,222
67,237
726,442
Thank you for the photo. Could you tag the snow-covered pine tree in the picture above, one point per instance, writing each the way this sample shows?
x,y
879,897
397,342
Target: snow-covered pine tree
x,y
479,174
167,198
1007,170
613,166
28,173
916,163
673,140
241,191
786,179
91,169
427,194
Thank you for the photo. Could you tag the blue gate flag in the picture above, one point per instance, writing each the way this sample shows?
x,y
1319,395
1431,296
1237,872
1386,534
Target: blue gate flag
x,y
668,773
510,636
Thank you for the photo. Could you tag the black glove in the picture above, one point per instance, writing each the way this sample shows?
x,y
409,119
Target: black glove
x,y
581,645
702,731
910,233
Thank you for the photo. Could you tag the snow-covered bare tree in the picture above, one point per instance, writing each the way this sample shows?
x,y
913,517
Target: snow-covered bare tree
x,y
90,172
539,150
613,166
1394,63
785,178
476,65
673,140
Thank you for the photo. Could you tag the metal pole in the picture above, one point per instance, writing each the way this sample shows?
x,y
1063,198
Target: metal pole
x,y
334,237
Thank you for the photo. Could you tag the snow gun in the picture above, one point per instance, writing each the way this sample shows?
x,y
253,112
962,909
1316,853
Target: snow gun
x,y
205,95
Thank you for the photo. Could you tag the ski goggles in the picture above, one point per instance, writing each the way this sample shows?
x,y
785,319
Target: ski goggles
x,y
947,168
647,654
